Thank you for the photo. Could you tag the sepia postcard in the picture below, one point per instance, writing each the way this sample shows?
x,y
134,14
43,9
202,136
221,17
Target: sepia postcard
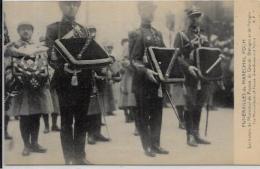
x,y
130,83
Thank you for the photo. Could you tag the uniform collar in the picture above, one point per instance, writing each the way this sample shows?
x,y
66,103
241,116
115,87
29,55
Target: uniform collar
x,y
68,20
26,42
146,25
193,29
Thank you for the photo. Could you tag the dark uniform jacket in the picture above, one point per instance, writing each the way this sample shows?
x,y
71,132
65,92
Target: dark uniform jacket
x,y
187,57
61,80
139,40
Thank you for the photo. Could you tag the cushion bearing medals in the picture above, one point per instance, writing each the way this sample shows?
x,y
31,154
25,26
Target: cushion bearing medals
x,y
31,69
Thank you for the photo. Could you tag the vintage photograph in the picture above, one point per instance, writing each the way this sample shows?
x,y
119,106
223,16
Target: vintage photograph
x,y
118,82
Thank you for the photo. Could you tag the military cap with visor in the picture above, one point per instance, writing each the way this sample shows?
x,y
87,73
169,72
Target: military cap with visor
x,y
24,24
193,12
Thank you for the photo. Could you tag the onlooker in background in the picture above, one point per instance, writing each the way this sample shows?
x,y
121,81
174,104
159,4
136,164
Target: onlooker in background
x,y
55,102
222,37
112,73
127,99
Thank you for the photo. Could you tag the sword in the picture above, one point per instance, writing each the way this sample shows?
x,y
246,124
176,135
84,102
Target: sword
x,y
207,118
172,104
214,64
103,115
100,105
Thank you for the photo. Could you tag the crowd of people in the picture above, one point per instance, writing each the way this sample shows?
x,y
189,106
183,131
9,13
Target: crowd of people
x,y
83,97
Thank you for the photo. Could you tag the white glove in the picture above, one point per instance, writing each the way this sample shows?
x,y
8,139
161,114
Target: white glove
x,y
194,71
150,74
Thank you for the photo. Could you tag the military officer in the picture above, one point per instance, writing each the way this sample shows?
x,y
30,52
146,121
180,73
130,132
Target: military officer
x,y
195,88
73,99
148,91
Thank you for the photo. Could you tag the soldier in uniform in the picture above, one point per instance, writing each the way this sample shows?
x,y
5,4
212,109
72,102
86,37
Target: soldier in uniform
x,y
30,104
195,88
73,99
127,99
148,91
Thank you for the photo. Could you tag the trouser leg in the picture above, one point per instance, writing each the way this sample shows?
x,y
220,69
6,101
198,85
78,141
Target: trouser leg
x,y
190,102
46,120
80,128
142,123
188,121
143,128
25,129
195,100
66,133
54,117
92,124
126,115
202,99
98,124
7,118
196,119
180,110
132,113
188,117
95,124
189,125
35,127
156,106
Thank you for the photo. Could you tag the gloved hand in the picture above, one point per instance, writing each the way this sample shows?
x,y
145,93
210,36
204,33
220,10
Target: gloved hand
x,y
194,71
150,74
